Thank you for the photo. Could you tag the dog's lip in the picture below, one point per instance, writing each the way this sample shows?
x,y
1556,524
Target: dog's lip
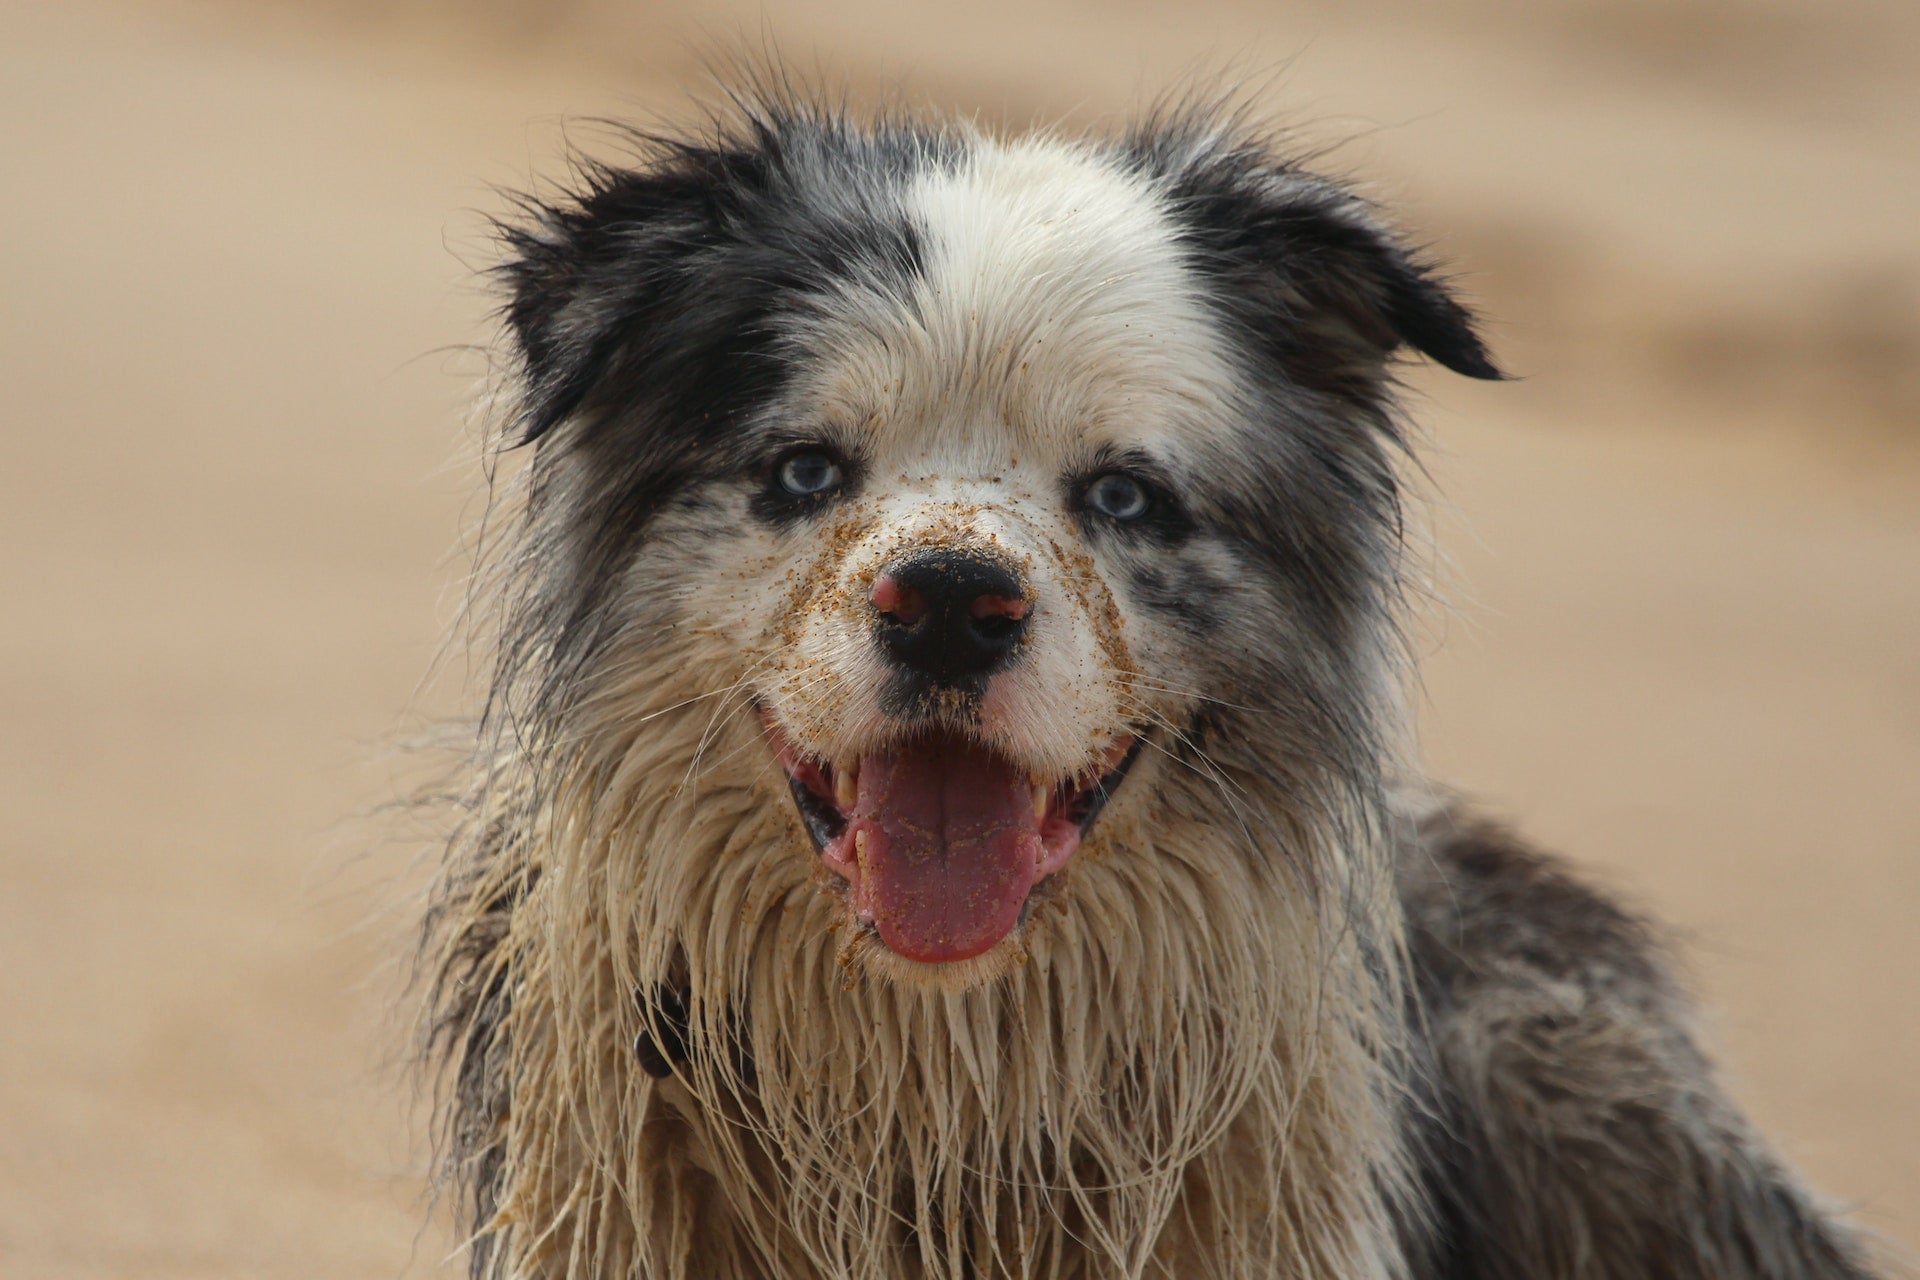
x,y
1072,804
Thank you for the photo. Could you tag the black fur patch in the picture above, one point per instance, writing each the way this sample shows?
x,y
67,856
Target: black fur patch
x,y
1303,273
661,288
662,1043
659,308
1191,602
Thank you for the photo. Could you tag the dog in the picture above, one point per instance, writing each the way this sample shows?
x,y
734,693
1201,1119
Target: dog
x,y
944,805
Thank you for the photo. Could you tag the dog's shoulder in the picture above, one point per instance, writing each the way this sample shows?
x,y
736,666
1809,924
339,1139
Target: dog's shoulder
x,y
1578,1129
1506,938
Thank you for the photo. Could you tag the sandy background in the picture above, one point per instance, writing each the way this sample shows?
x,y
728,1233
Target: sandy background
x,y
1683,555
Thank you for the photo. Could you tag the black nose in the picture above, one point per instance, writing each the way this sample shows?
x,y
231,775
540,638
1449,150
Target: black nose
x,y
951,616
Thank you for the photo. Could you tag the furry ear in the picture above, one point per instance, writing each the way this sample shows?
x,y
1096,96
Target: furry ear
x,y
1305,271
586,271
1342,259
663,285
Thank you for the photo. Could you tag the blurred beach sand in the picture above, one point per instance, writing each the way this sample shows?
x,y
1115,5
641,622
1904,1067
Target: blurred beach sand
x,y
1680,560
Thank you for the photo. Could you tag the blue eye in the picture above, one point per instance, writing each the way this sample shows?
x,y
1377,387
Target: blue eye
x,y
809,473
1118,496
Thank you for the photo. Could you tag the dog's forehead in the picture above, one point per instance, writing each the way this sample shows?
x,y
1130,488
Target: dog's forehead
x,y
1054,305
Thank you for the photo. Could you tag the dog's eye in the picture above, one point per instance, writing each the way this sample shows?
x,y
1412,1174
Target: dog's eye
x,y
1118,496
809,473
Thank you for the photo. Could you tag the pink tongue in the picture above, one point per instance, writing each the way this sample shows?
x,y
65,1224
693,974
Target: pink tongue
x,y
952,848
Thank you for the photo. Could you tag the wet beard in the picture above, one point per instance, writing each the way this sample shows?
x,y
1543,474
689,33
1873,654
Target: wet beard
x,y
1050,1122
1188,1023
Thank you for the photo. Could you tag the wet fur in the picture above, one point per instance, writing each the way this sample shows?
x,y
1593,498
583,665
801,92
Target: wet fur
x,y
1284,1015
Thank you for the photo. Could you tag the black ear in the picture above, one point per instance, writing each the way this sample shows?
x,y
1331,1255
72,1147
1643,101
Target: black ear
x,y
1301,267
585,273
664,285
1342,259
562,349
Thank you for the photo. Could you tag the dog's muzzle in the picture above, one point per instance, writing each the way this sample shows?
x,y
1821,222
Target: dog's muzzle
x,y
936,833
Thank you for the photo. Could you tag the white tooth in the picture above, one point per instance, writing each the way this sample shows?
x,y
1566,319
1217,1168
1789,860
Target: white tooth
x,y
846,786
1039,801
860,849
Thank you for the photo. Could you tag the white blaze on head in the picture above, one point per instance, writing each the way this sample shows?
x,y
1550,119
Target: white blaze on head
x,y
1055,306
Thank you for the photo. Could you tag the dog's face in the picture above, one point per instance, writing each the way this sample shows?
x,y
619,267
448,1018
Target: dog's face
x,y
991,477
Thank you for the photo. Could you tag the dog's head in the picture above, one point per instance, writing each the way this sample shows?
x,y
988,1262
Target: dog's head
x,y
989,486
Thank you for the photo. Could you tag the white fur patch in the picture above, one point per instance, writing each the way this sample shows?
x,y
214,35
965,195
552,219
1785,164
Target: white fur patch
x,y
1055,309
1056,286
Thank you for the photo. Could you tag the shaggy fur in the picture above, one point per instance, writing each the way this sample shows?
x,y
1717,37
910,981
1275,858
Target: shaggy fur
x,y
1282,1014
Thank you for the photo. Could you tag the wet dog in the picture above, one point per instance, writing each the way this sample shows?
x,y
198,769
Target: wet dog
x,y
944,807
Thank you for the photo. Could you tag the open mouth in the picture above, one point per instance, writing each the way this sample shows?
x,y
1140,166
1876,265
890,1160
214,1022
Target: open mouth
x,y
939,840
